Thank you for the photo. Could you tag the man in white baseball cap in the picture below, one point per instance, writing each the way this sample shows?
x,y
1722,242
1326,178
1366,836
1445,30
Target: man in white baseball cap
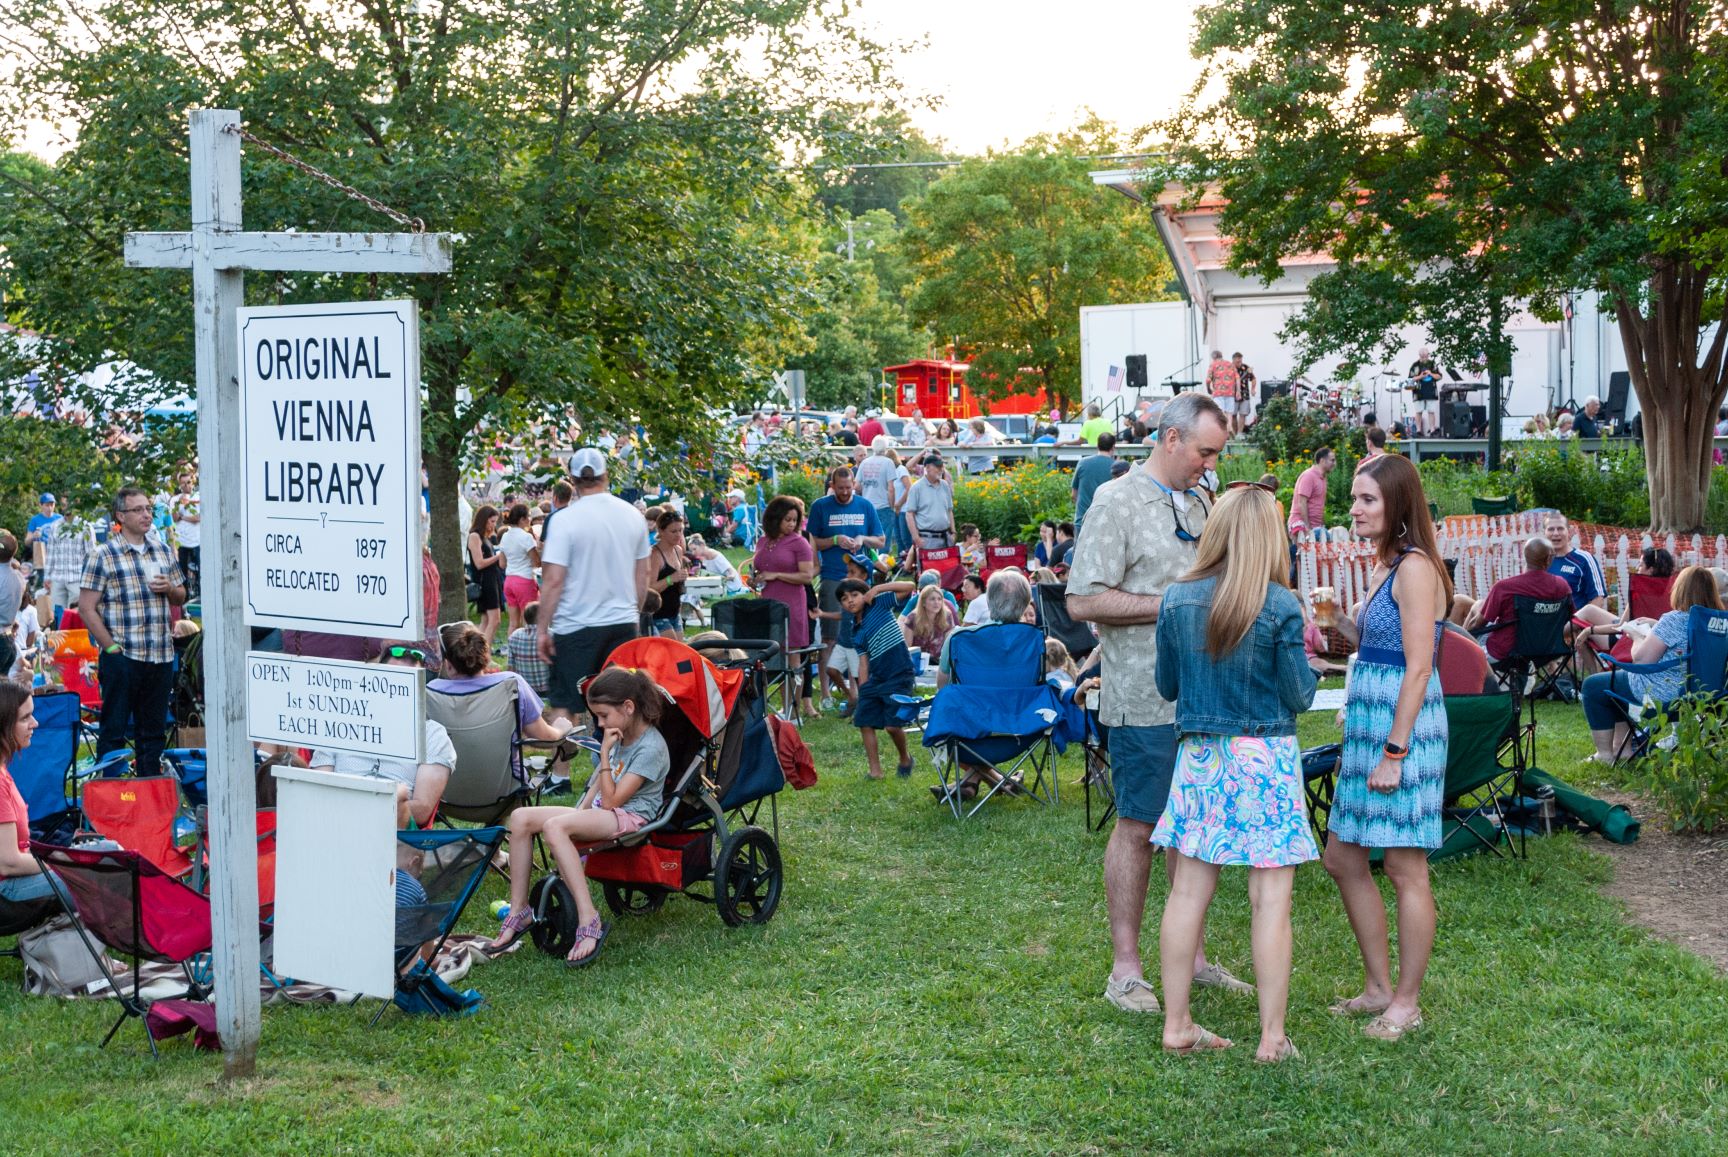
x,y
594,575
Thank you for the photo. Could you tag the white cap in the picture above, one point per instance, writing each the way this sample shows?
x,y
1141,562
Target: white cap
x,y
588,463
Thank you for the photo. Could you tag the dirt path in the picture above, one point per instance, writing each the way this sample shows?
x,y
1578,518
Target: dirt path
x,y
1674,885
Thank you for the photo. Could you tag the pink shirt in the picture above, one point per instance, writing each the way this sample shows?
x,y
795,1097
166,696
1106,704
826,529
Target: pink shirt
x,y
13,811
1308,501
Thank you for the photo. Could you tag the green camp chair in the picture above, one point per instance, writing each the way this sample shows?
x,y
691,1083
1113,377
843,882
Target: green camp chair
x,y
1480,788
1505,505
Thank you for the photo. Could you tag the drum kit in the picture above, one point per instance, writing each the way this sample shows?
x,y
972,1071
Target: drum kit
x,y
1338,401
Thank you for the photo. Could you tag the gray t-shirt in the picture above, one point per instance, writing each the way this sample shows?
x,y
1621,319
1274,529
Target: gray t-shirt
x,y
648,758
11,592
931,505
876,480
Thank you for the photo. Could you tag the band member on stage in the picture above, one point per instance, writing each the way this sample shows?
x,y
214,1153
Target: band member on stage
x,y
1425,380
1246,385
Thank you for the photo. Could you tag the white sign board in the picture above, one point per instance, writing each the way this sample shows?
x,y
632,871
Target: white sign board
x,y
364,708
330,413
336,880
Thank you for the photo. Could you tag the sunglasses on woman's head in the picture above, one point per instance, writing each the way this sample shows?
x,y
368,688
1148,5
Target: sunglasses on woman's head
x,y
414,654
1243,483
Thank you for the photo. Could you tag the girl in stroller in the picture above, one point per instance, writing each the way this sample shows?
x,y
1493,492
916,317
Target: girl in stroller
x,y
626,792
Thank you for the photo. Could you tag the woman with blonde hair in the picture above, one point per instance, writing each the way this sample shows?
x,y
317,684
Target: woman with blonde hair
x,y
929,621
1230,657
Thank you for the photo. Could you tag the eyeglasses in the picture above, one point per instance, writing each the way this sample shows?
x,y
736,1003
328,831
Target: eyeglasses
x,y
414,654
1183,534
1243,484
134,510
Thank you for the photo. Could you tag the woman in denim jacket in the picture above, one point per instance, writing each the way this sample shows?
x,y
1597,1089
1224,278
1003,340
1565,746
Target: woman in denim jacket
x,y
1230,655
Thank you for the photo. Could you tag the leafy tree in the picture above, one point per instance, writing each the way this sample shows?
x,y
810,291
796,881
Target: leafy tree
x,y
619,260
904,155
1006,249
70,461
860,323
1453,157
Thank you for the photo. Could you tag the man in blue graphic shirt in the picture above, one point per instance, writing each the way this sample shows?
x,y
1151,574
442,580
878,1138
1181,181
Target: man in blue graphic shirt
x,y
841,523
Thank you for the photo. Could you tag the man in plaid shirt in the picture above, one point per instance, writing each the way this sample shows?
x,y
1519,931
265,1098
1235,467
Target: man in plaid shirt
x,y
129,584
64,546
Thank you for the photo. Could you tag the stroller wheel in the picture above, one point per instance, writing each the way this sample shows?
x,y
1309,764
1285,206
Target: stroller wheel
x,y
748,877
632,899
554,930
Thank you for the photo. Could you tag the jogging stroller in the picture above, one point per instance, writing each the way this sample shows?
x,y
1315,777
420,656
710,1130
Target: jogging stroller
x,y
724,767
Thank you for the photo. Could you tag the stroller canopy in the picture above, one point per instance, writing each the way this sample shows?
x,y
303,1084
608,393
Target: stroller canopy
x,y
704,693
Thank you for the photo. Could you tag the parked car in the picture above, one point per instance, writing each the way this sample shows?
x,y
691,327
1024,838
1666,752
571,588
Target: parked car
x,y
1015,427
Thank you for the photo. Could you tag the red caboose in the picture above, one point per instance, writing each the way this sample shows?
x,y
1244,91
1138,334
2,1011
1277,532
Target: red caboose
x,y
938,389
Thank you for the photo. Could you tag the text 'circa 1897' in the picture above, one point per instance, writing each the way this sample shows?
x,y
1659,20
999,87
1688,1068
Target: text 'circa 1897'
x,y
333,500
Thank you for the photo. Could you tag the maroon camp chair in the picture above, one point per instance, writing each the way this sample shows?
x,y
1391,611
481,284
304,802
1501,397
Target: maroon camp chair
x,y
125,902
945,561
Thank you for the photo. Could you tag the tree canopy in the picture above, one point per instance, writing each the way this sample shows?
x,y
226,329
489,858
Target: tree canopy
x,y
1453,157
1006,249
620,223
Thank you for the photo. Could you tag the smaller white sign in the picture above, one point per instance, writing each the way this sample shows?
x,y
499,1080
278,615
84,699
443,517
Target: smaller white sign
x,y
366,708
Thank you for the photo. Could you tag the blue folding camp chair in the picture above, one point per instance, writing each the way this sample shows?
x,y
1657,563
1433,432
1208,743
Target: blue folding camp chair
x,y
44,770
996,717
437,873
1706,662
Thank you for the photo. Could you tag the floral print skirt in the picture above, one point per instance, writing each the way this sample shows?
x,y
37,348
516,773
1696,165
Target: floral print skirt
x,y
1237,800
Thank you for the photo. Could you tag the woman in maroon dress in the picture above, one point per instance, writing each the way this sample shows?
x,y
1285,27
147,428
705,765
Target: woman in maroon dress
x,y
785,563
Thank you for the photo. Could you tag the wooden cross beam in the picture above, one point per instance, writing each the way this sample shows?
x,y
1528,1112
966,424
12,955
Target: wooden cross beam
x,y
218,253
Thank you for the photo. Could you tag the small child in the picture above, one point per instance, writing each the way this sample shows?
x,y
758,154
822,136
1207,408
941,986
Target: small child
x,y
524,652
843,661
884,667
971,547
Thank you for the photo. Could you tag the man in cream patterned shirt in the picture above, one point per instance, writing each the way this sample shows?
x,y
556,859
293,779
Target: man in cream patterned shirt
x,y
1140,536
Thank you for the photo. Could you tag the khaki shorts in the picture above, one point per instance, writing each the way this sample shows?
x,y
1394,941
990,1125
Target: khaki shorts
x,y
1228,405
843,661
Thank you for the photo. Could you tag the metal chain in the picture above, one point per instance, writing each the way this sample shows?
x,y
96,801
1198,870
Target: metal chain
x,y
414,224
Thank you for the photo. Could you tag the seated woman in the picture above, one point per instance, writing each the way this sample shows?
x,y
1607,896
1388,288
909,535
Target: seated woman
x,y
21,880
928,622
626,792
1668,640
419,786
466,657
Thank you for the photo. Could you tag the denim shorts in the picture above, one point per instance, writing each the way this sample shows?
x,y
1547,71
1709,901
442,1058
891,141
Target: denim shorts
x,y
1142,761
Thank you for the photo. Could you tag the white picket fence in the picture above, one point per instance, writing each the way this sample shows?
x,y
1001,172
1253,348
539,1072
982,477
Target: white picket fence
x,y
1488,549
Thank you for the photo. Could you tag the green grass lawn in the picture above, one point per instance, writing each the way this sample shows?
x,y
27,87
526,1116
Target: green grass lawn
x,y
930,987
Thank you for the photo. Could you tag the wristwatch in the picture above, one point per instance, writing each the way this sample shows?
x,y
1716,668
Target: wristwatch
x,y
1394,751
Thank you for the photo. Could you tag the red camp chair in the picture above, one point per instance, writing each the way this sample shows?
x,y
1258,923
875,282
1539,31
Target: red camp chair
x,y
123,901
138,814
1001,558
945,561
75,657
1649,596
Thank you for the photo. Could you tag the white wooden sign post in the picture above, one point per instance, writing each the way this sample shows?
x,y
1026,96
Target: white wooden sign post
x,y
218,253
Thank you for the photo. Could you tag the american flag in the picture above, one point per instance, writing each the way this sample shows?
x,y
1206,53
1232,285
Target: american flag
x,y
1113,380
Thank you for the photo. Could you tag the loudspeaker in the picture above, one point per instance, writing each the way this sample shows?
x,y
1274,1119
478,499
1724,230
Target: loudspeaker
x,y
1614,405
1273,388
1479,417
1454,419
1136,372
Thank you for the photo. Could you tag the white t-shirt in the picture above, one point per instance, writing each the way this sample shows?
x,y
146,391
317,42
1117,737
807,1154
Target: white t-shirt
x,y
876,480
439,751
516,544
599,540
188,534
26,632
977,612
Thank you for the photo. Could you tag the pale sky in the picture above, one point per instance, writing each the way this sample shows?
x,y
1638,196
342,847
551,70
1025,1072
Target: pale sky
x,y
1009,69
1013,68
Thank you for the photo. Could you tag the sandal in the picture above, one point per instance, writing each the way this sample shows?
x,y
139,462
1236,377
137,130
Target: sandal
x,y
510,932
593,930
1354,1007
1381,1028
1286,1051
1206,1042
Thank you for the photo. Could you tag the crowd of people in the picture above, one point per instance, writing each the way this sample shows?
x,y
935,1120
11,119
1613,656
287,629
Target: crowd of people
x,y
1205,658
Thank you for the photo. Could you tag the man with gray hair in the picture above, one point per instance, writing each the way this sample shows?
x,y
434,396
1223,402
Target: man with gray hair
x,y
1007,595
876,476
1586,423
1141,535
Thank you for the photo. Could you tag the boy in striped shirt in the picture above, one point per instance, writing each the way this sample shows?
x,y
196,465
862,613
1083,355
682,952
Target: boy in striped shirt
x,y
884,667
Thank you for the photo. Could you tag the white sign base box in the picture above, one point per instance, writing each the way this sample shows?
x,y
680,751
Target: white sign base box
x,y
336,880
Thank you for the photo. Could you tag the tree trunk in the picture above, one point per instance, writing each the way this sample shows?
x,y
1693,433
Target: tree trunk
x,y
443,458
1678,392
